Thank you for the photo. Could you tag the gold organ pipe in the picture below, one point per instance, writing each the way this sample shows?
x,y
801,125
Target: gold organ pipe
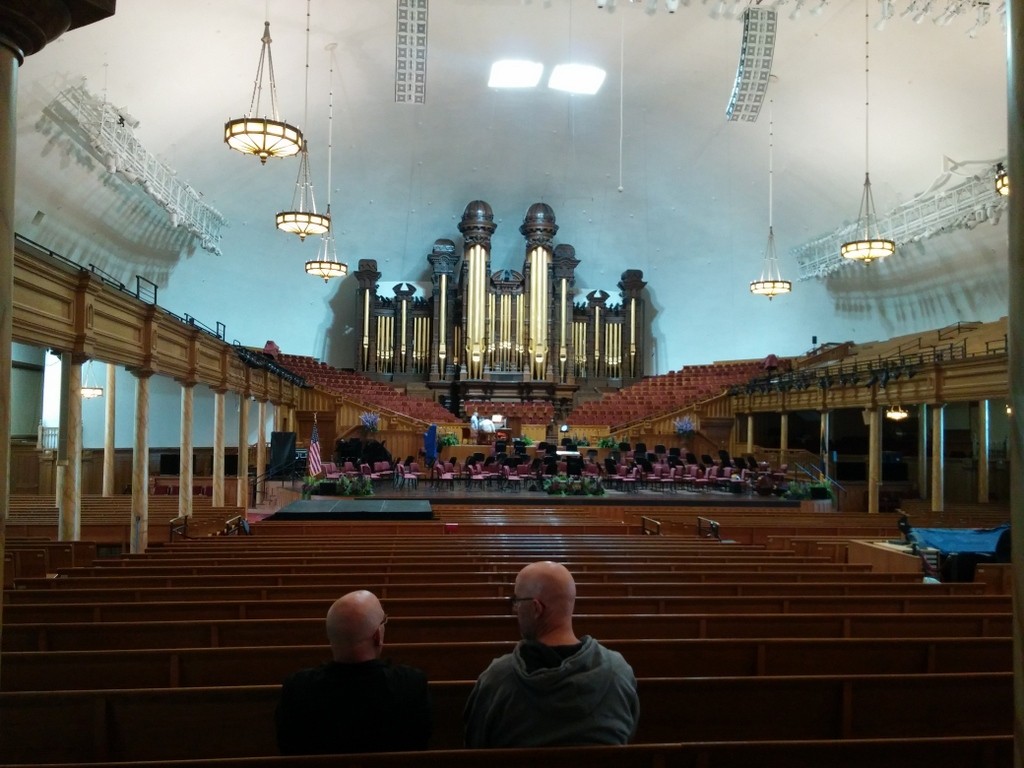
x,y
401,359
442,331
520,328
632,337
366,330
492,304
597,340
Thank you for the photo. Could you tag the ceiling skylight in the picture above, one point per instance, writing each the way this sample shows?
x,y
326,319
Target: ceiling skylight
x,y
577,78
515,73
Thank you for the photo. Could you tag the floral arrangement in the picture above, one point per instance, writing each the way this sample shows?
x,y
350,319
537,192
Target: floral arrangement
x,y
342,486
563,485
370,421
684,427
448,438
607,442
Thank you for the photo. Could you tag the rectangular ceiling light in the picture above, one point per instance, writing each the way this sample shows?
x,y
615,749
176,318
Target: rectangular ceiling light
x,y
577,78
515,73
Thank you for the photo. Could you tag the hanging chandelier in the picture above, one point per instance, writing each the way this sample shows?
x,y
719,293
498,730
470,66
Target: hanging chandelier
x,y
326,264
89,390
771,283
1002,180
870,245
263,136
302,219
896,413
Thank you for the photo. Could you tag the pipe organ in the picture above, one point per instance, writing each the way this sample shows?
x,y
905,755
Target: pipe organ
x,y
517,333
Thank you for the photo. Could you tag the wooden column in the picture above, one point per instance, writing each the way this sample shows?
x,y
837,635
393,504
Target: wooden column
x,y
983,449
185,485
109,421
922,451
218,448
938,459
261,448
874,419
783,437
750,433
70,524
243,451
140,466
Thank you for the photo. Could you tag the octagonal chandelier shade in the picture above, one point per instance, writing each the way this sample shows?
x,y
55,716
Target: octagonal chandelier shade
x,y
263,136
869,244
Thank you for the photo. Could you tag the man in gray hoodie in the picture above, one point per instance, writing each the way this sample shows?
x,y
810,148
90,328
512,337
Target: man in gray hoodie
x,y
554,689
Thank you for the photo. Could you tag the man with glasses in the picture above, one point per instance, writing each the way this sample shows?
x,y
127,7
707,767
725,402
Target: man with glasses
x,y
554,689
355,702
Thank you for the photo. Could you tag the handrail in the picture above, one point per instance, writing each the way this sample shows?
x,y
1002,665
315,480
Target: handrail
x,y
708,529
654,527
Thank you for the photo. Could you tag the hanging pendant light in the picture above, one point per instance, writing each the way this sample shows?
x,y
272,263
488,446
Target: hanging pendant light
x,y
870,245
326,264
302,219
1002,180
263,136
89,390
771,283
896,413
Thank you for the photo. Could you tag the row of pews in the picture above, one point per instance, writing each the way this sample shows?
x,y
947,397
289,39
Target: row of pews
x,y
744,654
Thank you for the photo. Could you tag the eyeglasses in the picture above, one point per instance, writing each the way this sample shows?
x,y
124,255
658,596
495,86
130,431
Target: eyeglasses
x,y
383,621
514,601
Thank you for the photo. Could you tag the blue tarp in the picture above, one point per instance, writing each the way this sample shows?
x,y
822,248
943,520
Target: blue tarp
x,y
965,540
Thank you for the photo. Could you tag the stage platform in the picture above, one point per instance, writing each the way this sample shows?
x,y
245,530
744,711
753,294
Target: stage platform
x,y
365,508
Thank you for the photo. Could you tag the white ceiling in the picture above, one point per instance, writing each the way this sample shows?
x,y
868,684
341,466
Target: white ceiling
x,y
692,212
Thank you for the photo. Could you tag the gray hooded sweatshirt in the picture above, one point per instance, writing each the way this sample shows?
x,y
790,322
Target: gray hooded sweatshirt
x,y
590,698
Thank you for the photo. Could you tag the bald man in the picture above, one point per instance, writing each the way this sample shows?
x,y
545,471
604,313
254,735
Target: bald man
x,y
355,702
554,689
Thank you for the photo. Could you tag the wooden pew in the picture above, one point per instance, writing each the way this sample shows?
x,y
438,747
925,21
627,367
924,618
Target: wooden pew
x,y
262,665
234,721
938,752
371,576
110,593
184,610
208,633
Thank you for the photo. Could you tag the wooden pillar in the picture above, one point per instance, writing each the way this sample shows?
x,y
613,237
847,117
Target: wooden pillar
x,y
983,449
783,437
185,486
750,433
70,523
938,458
140,466
218,448
922,451
261,449
874,419
243,451
824,438
109,421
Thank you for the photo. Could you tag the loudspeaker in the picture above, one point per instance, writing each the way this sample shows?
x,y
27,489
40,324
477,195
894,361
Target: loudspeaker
x,y
282,453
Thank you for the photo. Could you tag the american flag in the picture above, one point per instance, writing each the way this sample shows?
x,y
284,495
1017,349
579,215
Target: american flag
x,y
314,466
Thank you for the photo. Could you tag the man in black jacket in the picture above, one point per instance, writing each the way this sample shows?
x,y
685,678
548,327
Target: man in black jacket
x,y
356,702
